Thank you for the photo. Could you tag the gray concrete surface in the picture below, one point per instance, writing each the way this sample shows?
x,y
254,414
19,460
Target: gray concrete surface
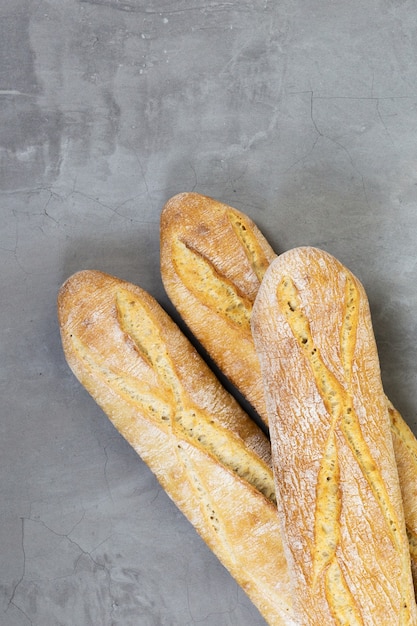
x,y
301,113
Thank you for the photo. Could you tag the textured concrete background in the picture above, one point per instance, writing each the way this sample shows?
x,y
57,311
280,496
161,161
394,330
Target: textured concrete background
x,y
301,113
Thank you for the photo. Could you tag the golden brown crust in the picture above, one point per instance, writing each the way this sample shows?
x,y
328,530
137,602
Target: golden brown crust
x,y
338,491
213,258
203,225
211,459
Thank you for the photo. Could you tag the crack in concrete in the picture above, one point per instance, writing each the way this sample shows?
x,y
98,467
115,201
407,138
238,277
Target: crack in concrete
x,y
142,170
97,565
383,123
11,600
339,144
66,535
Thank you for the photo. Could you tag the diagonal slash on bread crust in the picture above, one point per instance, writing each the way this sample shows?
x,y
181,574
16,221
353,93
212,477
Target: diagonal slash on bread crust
x,y
338,402
194,423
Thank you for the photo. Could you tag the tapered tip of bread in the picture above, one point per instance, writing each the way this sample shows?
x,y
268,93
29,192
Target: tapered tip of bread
x,y
223,235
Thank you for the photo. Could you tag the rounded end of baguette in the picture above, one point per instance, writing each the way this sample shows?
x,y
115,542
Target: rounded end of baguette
x,y
213,259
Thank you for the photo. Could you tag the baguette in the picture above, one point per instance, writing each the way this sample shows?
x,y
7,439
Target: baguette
x,y
208,455
203,228
338,491
213,258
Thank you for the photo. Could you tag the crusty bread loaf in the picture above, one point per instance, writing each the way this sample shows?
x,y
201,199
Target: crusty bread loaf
x,y
229,262
213,258
337,484
211,459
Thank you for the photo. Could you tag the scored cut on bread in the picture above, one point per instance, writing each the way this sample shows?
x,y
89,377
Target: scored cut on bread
x,y
213,461
336,476
224,269
213,258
